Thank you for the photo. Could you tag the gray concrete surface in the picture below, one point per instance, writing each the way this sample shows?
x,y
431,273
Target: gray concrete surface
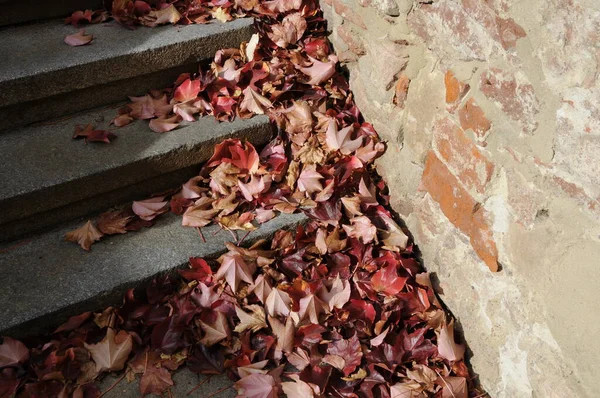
x,y
45,279
19,11
183,379
36,63
44,169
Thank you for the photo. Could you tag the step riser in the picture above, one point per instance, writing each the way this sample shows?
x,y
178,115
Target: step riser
x,y
19,11
97,204
53,280
66,79
22,114
95,191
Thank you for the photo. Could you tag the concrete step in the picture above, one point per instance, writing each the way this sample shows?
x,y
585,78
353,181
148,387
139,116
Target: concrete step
x,y
184,381
45,280
42,77
19,11
47,177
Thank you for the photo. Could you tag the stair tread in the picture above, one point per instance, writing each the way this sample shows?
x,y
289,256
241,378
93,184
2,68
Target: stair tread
x,y
37,63
44,158
46,279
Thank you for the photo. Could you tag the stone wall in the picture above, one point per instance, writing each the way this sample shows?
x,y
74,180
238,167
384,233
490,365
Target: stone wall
x,y
491,112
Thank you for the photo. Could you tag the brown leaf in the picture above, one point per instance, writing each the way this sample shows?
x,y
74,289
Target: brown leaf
x,y
447,347
85,236
150,208
112,352
255,320
234,269
113,222
155,381
168,15
257,386
215,331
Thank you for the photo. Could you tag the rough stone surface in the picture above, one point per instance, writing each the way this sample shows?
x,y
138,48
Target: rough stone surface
x,y
493,149
45,279
44,169
42,62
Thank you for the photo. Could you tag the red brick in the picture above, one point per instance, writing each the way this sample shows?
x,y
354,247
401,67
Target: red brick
x,y
472,117
455,89
456,149
517,99
460,208
401,90
348,14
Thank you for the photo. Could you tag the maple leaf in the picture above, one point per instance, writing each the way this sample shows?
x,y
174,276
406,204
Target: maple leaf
x,y
122,120
150,208
311,307
164,124
234,269
85,236
387,281
289,31
73,322
297,389
253,368
200,214
255,320
168,15
319,71
299,118
447,347
393,238
155,380
407,390
341,140
349,350
200,270
257,386
338,295
254,188
278,303
113,222
92,135
224,177
188,90
12,352
216,330
285,335
423,375
78,39
455,387
261,288
362,229
78,17
254,102
221,14
186,110
250,49
112,352
308,181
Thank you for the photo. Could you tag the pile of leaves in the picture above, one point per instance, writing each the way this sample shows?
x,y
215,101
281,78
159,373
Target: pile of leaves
x,y
340,307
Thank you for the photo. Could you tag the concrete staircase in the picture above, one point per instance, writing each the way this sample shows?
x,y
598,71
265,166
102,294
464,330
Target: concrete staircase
x,y
50,184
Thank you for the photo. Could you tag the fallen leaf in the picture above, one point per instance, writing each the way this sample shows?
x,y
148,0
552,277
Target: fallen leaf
x,y
319,71
150,208
85,236
255,320
155,381
12,352
113,222
112,352
78,39
257,386
234,270
447,347
164,124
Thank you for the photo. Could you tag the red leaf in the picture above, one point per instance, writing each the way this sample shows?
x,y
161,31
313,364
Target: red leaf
x,y
188,90
349,350
257,386
155,381
150,208
387,281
